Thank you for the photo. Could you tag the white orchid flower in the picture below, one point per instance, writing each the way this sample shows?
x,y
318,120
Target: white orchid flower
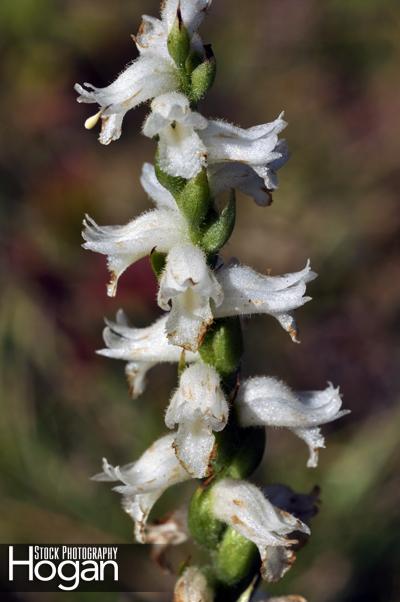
x,y
142,348
267,401
159,229
187,288
153,73
245,508
192,12
145,78
180,149
247,159
145,480
192,586
248,292
198,407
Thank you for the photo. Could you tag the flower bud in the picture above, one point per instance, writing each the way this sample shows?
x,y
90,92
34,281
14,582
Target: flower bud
x,y
203,76
223,346
179,41
219,232
203,525
192,586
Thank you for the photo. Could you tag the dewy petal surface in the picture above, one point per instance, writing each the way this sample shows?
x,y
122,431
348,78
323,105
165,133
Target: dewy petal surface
x,y
247,292
187,287
159,229
269,402
145,480
198,407
245,508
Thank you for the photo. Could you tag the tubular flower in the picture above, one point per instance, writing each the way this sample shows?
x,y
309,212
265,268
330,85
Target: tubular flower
x,y
245,508
269,402
248,292
145,480
187,288
198,407
159,229
247,159
142,348
153,73
192,586
180,149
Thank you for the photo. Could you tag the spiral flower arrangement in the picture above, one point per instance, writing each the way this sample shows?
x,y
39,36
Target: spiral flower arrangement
x,y
216,420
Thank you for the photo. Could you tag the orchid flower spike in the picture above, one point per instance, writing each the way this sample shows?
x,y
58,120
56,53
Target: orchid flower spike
x,y
187,289
153,73
247,159
180,149
269,402
192,586
248,292
145,480
245,508
198,407
142,348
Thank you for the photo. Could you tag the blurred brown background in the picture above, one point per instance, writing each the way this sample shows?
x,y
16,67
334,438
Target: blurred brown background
x,y
332,65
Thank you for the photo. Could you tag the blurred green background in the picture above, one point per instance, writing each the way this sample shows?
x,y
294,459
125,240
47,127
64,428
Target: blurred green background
x,y
332,65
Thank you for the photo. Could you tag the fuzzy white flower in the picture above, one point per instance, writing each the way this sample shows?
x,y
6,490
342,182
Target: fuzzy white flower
x,y
247,159
187,288
159,229
142,348
147,77
192,586
180,149
153,73
198,407
145,480
267,401
192,12
245,508
248,292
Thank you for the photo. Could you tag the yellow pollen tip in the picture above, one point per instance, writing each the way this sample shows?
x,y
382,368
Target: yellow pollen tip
x,y
92,121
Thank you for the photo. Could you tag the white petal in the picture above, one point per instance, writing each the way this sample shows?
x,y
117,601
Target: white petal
x,y
194,443
244,507
192,12
145,480
180,150
199,395
142,348
198,407
267,401
248,292
162,198
192,586
142,80
254,146
159,229
152,37
188,286
224,176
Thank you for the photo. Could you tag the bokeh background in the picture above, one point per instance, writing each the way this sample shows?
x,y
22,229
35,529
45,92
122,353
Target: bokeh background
x,y
333,66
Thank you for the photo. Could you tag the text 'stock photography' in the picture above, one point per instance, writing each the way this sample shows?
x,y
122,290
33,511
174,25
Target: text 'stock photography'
x,y
216,420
